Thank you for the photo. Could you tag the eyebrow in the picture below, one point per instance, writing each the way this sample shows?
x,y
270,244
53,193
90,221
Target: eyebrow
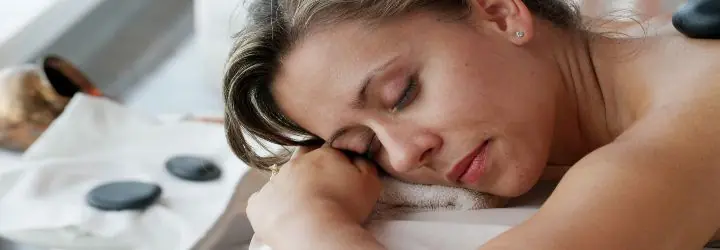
x,y
361,98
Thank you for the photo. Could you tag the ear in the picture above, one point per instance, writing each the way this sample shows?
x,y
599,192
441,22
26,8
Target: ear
x,y
508,18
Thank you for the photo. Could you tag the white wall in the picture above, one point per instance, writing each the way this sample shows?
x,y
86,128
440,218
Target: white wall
x,y
27,26
215,22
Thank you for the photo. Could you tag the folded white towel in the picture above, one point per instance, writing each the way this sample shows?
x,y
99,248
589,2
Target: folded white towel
x,y
400,197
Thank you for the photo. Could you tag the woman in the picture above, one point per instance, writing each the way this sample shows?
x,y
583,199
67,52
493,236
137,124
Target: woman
x,y
479,94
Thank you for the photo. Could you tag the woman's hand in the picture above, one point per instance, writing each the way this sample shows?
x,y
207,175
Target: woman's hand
x,y
320,195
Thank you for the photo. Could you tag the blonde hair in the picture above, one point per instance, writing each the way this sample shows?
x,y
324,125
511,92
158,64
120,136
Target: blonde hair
x,y
271,31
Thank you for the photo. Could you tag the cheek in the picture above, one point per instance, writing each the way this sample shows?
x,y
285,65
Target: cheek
x,y
468,83
505,94
463,98
481,99
451,89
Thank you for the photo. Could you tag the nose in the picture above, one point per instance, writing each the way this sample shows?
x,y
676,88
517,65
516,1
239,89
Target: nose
x,y
408,147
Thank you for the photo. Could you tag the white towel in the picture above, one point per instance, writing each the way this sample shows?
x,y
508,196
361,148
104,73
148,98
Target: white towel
x,y
400,197
96,141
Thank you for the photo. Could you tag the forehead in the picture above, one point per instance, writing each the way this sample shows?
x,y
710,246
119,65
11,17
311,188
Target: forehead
x,y
320,77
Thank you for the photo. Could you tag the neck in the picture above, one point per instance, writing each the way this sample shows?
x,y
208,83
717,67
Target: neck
x,y
585,101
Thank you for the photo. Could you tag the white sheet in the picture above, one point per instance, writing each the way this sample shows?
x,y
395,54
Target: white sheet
x,y
456,230
438,230
450,229
95,141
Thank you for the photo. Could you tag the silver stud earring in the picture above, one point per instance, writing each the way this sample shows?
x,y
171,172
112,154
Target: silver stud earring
x,y
520,34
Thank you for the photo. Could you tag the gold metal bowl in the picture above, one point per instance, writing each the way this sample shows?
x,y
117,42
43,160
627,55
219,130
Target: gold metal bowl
x,y
32,96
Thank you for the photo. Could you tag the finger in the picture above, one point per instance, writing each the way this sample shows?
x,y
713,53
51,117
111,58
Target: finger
x,y
365,166
370,176
332,154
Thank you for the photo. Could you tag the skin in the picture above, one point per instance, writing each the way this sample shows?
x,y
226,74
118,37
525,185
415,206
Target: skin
x,y
642,8
635,118
464,83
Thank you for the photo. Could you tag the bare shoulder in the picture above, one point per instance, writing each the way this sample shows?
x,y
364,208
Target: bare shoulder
x,y
652,189
678,77
656,186
682,77
680,60
661,69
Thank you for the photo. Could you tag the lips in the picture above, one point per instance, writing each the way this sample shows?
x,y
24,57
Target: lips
x,y
471,167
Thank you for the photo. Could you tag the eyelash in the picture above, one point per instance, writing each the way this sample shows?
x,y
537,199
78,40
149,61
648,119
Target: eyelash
x,y
399,105
407,94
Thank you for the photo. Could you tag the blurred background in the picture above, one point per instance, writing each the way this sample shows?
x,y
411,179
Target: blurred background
x,y
136,51
157,56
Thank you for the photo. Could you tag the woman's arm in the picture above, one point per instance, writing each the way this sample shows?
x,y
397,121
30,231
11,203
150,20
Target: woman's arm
x,y
656,187
326,231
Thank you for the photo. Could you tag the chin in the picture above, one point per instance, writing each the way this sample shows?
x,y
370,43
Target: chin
x,y
517,189
518,182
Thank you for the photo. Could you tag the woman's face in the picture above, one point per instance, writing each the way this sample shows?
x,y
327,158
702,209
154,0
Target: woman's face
x,y
455,103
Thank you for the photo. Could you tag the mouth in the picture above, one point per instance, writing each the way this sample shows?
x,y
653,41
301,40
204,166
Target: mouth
x,y
471,167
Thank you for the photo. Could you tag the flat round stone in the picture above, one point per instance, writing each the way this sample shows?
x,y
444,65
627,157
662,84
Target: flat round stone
x,y
698,19
123,195
713,244
193,168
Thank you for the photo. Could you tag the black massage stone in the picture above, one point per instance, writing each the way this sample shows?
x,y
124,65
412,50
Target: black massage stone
x,y
698,19
123,195
193,168
713,244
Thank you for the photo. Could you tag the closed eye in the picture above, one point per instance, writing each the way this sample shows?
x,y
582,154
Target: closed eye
x,y
408,95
